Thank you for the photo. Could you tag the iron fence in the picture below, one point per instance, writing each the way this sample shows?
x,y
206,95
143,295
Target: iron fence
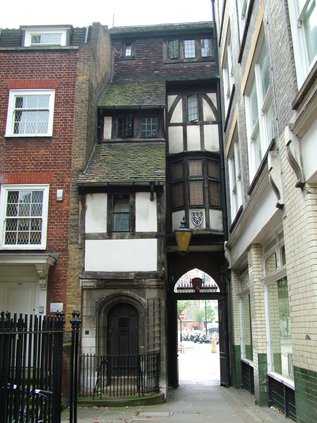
x,y
31,349
119,375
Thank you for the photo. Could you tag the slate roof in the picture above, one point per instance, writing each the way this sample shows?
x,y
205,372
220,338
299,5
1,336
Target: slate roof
x,y
138,94
125,163
12,38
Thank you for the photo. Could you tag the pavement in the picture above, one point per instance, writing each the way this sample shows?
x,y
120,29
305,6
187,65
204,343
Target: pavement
x,y
198,399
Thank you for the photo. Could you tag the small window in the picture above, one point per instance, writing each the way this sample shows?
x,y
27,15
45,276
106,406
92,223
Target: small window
x,y
24,216
149,127
45,37
192,108
121,213
173,49
189,49
205,47
30,113
127,50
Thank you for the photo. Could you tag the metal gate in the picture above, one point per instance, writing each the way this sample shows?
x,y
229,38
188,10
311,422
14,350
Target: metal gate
x,y
31,349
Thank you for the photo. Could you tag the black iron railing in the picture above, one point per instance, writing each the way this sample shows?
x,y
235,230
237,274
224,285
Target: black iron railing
x,y
119,375
282,397
31,349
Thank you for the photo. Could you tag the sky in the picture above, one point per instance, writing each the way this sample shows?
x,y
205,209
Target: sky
x,y
81,13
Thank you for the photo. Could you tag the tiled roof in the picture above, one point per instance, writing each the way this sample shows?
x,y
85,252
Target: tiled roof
x,y
140,93
162,28
125,163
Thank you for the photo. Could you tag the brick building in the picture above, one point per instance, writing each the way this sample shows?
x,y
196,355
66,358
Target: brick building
x,y
49,80
267,57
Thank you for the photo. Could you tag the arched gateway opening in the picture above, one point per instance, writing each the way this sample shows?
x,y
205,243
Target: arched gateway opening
x,y
210,285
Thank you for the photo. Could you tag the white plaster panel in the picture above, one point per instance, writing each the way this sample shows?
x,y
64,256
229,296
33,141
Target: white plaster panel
x,y
107,128
211,137
177,116
215,218
309,153
121,255
208,114
170,101
146,215
213,98
175,139
96,213
177,217
193,138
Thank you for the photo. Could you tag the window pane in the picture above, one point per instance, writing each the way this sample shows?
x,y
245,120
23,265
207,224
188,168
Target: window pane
x,y
149,127
192,108
310,26
196,193
253,106
178,195
125,127
128,50
205,46
177,170
46,38
247,350
173,50
31,114
280,328
214,193
195,168
189,49
213,169
264,69
121,214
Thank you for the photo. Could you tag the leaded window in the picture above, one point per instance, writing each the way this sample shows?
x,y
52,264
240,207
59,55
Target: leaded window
x,y
30,113
189,49
149,127
24,216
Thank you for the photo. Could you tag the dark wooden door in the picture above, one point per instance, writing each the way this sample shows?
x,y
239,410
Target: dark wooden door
x,y
123,330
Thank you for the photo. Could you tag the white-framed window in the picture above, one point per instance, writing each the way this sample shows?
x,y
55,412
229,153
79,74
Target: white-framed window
x,y
303,17
45,37
30,113
24,210
259,112
277,310
227,71
235,182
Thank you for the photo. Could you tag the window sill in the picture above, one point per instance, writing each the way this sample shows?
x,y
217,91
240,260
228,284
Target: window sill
x,y
248,362
282,379
28,136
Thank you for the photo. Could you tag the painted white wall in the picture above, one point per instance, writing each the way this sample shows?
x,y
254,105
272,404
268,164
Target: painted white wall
x,y
177,116
121,255
211,137
96,213
107,128
309,153
208,114
175,139
193,138
145,211
213,98
215,217
177,217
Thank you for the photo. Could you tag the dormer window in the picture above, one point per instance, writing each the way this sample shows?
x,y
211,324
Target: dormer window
x,y
36,37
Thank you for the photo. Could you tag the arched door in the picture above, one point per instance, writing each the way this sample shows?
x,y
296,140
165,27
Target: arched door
x,y
123,330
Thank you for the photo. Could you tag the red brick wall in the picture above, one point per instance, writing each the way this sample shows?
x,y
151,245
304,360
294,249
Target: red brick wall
x,y
43,160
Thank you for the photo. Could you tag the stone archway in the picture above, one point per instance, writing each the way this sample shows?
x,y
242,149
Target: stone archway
x,y
114,302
